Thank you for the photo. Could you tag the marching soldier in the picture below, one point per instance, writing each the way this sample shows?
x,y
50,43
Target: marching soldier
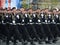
x,y
49,17
53,27
38,13
1,14
34,17
26,17
18,17
42,16
6,23
17,34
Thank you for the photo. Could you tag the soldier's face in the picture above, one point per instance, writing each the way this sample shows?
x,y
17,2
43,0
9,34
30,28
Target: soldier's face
x,y
30,11
38,10
22,9
23,12
18,11
14,10
5,11
47,10
34,12
43,11
54,11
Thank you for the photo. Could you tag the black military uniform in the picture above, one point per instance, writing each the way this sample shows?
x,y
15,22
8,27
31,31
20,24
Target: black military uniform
x,y
42,17
1,26
54,29
6,23
56,18
49,18
18,18
16,33
34,18
26,18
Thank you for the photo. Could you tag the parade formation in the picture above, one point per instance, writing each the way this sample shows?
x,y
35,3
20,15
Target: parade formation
x,y
41,25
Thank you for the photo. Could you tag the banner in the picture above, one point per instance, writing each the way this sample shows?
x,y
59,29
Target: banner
x,y
11,3
19,4
6,3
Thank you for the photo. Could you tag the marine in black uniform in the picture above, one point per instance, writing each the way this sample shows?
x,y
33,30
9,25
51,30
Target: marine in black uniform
x,y
1,14
42,16
6,23
53,27
16,34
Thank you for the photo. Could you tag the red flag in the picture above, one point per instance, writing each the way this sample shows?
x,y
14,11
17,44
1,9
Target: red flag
x,y
9,1
9,4
0,3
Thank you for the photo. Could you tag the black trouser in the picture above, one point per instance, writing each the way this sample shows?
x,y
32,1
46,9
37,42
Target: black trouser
x,y
32,32
1,31
13,31
40,31
25,35
47,31
58,30
54,30
4,31
8,31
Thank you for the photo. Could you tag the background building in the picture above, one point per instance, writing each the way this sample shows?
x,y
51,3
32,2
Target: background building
x,y
30,3
48,4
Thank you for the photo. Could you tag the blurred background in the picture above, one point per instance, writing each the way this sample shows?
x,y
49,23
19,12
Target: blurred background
x,y
30,3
